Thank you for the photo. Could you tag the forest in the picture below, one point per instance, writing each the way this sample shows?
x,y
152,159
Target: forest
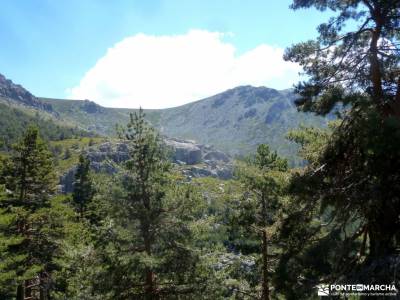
x,y
273,231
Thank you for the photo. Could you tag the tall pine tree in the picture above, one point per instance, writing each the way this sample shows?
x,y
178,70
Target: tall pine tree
x,y
346,200
263,179
28,239
154,245
83,186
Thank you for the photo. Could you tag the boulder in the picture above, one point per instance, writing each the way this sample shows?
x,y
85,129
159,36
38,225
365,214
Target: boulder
x,y
186,152
105,147
97,156
119,156
67,181
216,156
122,147
225,173
202,172
104,167
107,158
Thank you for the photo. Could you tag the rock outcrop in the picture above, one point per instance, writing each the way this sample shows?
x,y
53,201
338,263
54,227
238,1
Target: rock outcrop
x,y
16,92
91,107
195,160
185,151
67,180
216,156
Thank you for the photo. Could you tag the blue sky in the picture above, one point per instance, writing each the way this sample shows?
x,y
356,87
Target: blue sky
x,y
50,46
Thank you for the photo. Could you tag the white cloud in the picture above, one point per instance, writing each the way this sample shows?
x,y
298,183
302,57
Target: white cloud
x,y
165,71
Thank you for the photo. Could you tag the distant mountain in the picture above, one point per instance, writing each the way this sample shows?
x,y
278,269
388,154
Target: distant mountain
x,y
234,121
19,108
89,115
238,120
12,91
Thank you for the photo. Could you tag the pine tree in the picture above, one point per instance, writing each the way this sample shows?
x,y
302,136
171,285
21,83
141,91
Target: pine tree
x,y
342,224
26,233
346,62
147,173
7,262
264,180
83,186
152,239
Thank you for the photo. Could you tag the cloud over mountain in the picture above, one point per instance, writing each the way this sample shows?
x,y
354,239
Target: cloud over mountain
x,y
165,71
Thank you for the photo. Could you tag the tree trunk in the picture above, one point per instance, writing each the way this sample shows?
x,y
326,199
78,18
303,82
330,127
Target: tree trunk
x,y
264,251
150,285
265,283
380,243
382,227
150,288
28,289
20,292
375,69
396,103
43,292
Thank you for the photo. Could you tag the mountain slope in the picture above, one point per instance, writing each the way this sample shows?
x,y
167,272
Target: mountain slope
x,y
235,121
19,108
88,115
15,119
15,92
239,119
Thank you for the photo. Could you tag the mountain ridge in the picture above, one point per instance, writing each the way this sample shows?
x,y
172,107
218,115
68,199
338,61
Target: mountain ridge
x,y
16,92
234,121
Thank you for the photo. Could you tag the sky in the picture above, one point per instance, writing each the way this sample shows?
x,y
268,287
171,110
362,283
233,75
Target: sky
x,y
150,53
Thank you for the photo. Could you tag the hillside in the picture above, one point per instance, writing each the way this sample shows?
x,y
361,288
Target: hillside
x,y
234,121
237,120
19,108
18,94
88,115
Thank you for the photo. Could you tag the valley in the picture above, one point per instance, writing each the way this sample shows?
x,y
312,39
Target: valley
x,y
244,192
235,121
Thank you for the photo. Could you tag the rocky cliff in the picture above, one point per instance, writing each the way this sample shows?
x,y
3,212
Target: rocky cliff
x,y
235,121
191,159
12,91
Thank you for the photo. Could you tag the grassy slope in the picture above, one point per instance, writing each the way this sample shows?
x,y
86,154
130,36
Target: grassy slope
x,y
66,152
15,118
240,119
102,120
235,121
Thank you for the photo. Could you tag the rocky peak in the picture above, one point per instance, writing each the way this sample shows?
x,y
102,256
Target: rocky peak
x,y
16,92
91,107
246,95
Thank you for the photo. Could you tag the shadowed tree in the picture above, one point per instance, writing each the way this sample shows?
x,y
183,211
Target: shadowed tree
x,y
83,186
344,64
26,222
346,206
157,258
264,180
